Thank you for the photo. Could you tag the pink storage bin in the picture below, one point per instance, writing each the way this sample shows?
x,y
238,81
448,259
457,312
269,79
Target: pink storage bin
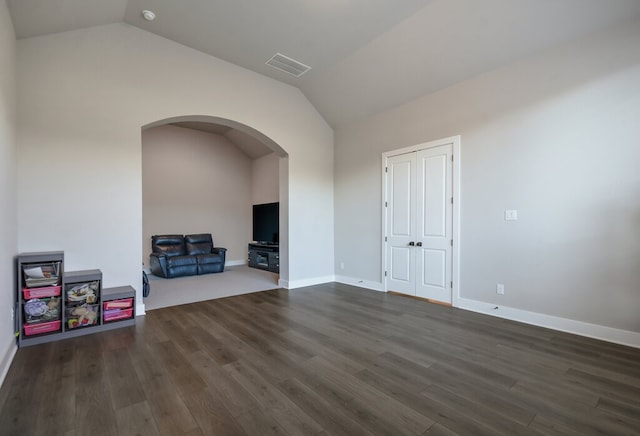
x,y
44,327
48,291
116,314
123,303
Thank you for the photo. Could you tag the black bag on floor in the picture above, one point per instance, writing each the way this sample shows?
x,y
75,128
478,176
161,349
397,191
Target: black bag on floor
x,y
145,285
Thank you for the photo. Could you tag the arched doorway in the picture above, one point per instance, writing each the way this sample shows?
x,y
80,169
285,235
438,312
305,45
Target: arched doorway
x,y
196,182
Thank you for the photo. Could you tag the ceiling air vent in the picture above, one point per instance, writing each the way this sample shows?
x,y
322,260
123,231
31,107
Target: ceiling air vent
x,y
288,65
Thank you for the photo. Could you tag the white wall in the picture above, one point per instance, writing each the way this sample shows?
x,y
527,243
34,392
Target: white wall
x,y
8,214
83,97
195,182
265,179
555,137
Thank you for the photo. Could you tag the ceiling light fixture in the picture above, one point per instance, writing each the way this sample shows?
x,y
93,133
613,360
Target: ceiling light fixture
x,y
148,15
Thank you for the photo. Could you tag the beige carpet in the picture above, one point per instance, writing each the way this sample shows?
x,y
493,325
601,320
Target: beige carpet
x,y
235,280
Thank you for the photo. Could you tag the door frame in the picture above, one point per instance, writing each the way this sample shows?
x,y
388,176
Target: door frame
x,y
455,253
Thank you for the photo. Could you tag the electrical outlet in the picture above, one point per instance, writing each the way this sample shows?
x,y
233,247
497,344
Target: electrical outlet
x,y
510,215
500,289
341,265
13,314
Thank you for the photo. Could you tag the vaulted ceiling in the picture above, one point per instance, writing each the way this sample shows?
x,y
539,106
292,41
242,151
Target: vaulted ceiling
x,y
365,55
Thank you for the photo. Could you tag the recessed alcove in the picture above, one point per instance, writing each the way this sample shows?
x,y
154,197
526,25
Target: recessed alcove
x,y
203,174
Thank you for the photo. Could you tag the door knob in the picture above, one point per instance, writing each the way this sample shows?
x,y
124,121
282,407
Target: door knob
x,y
419,244
411,244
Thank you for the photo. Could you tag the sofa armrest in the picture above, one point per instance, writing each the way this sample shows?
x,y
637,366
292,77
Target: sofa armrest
x,y
158,263
221,251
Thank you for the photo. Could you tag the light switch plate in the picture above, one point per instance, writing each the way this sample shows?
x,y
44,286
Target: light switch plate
x,y
510,215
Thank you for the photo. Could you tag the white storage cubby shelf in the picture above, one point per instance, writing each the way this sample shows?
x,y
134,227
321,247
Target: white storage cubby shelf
x,y
52,304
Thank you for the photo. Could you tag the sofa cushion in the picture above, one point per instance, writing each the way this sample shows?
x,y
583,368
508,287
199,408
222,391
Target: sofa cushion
x,y
208,258
170,245
175,261
208,268
201,243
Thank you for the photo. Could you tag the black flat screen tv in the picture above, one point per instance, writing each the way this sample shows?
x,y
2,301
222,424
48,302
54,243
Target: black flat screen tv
x,y
266,223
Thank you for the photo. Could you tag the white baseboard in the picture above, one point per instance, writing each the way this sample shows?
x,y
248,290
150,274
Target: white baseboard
x,y
367,284
235,262
374,286
293,284
617,336
7,358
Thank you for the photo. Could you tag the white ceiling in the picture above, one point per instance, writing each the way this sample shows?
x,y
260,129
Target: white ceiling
x,y
252,147
366,55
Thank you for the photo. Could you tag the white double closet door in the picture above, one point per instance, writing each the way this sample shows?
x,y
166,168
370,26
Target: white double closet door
x,y
419,212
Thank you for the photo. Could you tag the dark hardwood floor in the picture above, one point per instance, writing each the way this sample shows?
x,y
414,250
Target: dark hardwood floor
x,y
324,360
